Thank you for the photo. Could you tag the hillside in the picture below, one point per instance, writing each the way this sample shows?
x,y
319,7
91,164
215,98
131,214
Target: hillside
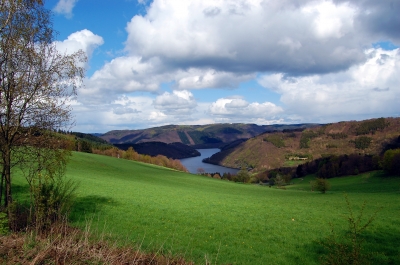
x,y
198,136
211,221
172,150
292,147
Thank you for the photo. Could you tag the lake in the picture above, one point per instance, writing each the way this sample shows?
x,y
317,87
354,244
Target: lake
x,y
194,163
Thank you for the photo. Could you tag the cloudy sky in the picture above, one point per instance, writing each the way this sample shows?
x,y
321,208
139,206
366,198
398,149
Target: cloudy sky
x,y
162,62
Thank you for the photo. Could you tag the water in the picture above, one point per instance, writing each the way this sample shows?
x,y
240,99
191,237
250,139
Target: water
x,y
194,163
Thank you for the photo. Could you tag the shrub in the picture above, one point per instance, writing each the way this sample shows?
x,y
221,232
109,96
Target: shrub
x,y
391,162
52,199
321,185
242,176
347,248
280,181
3,223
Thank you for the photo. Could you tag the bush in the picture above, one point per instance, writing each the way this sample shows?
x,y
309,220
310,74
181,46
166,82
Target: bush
x,y
3,223
321,185
391,162
279,181
52,199
242,176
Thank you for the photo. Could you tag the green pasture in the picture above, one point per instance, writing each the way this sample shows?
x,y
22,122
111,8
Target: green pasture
x,y
200,218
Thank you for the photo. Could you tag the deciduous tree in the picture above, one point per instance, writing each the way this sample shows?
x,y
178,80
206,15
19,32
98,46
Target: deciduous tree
x,y
37,83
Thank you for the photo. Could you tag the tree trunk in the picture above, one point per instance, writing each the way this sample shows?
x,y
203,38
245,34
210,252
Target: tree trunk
x,y
7,177
2,184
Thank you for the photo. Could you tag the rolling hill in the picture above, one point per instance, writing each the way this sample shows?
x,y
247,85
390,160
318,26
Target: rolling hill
x,y
220,222
291,147
198,136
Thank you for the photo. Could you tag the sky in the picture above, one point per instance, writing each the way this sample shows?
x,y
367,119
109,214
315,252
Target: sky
x,y
194,62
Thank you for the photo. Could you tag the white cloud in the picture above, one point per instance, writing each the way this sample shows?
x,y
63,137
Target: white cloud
x,y
65,7
368,89
237,109
176,103
196,78
248,35
81,40
312,52
330,20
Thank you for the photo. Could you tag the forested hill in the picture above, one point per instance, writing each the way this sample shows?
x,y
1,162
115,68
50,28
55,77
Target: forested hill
x,y
292,147
198,136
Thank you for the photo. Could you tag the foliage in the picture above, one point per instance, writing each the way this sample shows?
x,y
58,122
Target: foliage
x,y
321,185
279,181
83,146
131,154
3,223
52,200
338,135
36,85
391,162
51,194
306,137
242,176
201,137
276,140
183,137
335,166
348,248
90,138
362,142
230,130
371,126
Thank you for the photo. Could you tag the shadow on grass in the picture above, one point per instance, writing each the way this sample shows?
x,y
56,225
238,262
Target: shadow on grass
x,y
380,247
89,205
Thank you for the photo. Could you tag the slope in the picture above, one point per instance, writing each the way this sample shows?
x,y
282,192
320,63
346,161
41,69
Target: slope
x,y
291,147
202,219
199,136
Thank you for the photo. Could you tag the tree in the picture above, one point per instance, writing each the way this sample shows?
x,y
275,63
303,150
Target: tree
x,y
36,85
321,185
243,176
391,162
279,181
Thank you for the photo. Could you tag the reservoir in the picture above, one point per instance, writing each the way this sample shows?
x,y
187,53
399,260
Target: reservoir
x,y
194,163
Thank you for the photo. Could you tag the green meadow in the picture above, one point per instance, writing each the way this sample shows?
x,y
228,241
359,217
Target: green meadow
x,y
203,219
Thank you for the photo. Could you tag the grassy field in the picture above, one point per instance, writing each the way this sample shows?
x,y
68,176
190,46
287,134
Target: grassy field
x,y
228,223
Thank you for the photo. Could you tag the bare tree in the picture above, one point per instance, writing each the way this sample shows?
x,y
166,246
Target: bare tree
x,y
36,85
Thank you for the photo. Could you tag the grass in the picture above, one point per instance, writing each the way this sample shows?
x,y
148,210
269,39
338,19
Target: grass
x,y
201,219
292,163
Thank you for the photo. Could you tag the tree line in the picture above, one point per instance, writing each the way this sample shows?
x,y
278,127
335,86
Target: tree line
x,y
131,154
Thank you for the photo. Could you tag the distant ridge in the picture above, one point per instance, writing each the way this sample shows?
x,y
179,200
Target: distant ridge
x,y
199,136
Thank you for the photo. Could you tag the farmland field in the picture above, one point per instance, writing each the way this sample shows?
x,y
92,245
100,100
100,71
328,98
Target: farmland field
x,y
200,218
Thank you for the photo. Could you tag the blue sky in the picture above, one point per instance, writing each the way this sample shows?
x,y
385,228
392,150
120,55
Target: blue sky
x,y
161,62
